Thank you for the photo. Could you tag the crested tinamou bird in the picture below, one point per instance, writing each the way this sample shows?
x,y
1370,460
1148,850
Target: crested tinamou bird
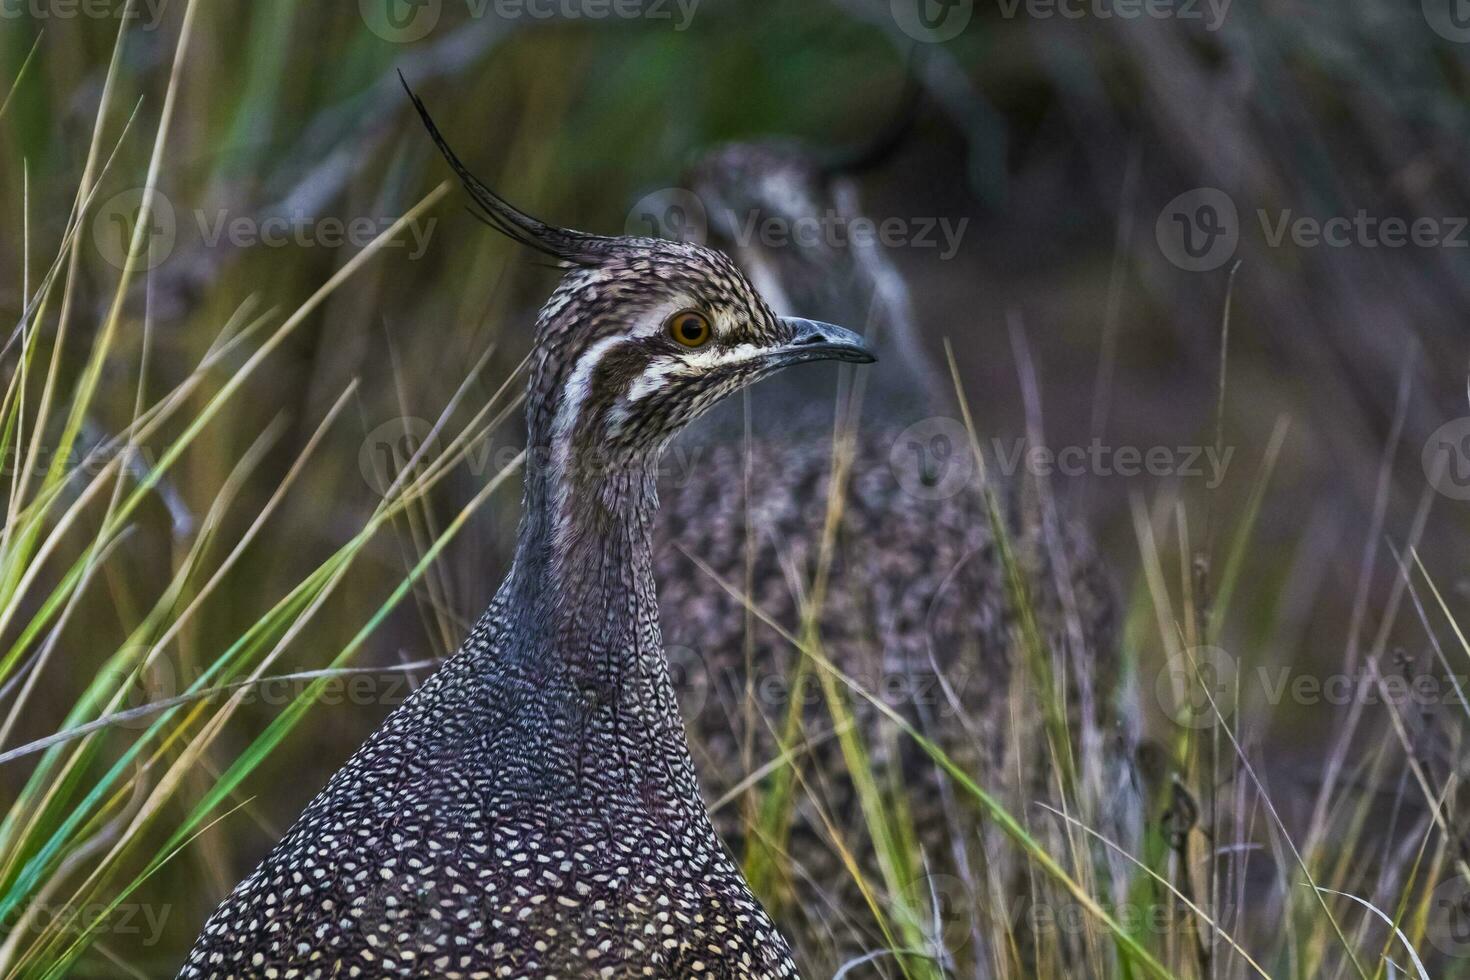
x,y
532,810
914,606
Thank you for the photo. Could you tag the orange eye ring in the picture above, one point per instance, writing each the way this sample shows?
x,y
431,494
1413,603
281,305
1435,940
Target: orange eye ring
x,y
690,328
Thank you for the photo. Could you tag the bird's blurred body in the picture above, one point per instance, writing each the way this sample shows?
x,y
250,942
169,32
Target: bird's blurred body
x,y
896,574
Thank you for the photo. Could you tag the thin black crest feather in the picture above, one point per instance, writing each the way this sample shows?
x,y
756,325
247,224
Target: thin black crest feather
x,y
566,246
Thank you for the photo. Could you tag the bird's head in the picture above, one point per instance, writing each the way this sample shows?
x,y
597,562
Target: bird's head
x,y
637,344
642,335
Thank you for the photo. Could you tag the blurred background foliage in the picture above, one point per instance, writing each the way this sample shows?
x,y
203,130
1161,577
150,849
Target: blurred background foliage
x,y
1060,141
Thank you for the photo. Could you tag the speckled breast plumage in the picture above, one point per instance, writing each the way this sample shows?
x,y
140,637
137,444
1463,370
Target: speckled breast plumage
x,y
441,850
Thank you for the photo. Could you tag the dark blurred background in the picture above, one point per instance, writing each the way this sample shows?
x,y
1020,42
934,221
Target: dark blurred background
x,y
1122,179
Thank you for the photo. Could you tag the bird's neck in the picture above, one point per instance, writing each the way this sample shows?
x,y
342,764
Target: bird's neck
x,y
581,608
584,552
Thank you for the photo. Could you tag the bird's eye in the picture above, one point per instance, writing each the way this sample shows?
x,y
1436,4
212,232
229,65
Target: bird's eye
x,y
689,328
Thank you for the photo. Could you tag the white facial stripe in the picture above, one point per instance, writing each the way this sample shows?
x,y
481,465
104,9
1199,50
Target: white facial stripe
x,y
713,357
579,382
690,364
654,376
574,395
578,387
683,364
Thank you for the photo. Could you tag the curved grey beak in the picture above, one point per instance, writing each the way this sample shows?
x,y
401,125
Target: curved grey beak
x,y
812,340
